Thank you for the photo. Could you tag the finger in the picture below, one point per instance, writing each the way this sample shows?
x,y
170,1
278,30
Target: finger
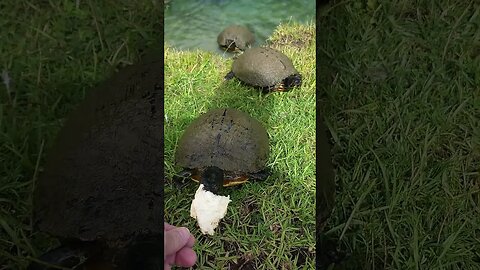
x,y
175,239
167,267
170,259
168,227
191,241
186,257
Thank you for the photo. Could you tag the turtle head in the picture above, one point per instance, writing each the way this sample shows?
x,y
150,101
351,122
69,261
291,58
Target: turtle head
x,y
293,80
230,45
212,179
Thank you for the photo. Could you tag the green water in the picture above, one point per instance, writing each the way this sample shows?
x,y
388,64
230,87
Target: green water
x,y
191,24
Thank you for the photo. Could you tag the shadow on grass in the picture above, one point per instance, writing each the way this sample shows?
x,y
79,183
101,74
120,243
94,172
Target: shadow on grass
x,y
121,119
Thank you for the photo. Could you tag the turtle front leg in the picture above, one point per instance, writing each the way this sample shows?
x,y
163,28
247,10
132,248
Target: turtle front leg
x,y
181,178
261,175
291,81
237,50
229,75
237,53
279,87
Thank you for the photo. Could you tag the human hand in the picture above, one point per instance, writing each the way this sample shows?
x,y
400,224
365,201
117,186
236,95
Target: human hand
x,y
177,246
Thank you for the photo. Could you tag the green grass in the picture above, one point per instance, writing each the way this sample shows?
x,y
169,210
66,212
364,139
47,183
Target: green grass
x,y
270,224
402,99
53,52
400,94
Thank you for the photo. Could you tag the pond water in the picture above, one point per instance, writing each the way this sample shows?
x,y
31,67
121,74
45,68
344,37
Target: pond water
x,y
191,24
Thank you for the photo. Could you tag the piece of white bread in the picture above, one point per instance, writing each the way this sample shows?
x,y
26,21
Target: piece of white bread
x,y
208,209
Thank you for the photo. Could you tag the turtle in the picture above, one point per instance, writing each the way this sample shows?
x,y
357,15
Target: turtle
x,y
100,190
221,148
266,68
235,38
329,250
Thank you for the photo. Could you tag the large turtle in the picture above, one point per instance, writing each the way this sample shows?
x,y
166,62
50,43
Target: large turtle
x,y
221,148
100,191
265,68
235,38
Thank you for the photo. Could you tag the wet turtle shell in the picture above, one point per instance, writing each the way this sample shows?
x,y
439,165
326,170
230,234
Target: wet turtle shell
x,y
102,178
228,139
236,37
265,68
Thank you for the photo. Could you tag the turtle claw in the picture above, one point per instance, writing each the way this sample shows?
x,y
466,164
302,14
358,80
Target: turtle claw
x,y
229,76
181,179
237,54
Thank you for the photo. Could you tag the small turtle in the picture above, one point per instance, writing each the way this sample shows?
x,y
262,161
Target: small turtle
x,y
235,38
221,148
266,68
100,192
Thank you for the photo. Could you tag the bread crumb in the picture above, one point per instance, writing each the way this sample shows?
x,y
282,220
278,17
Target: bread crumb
x,y
208,209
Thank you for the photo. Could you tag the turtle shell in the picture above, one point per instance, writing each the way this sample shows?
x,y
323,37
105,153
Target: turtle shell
x,y
263,67
102,178
237,33
226,138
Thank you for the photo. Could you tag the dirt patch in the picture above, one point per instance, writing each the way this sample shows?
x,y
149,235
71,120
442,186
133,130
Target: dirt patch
x,y
276,228
249,206
231,247
248,261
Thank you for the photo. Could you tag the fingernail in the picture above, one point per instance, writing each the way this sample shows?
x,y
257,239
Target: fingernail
x,y
184,233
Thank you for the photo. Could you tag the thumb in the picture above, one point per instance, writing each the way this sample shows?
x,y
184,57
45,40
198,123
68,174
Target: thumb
x,y
175,239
